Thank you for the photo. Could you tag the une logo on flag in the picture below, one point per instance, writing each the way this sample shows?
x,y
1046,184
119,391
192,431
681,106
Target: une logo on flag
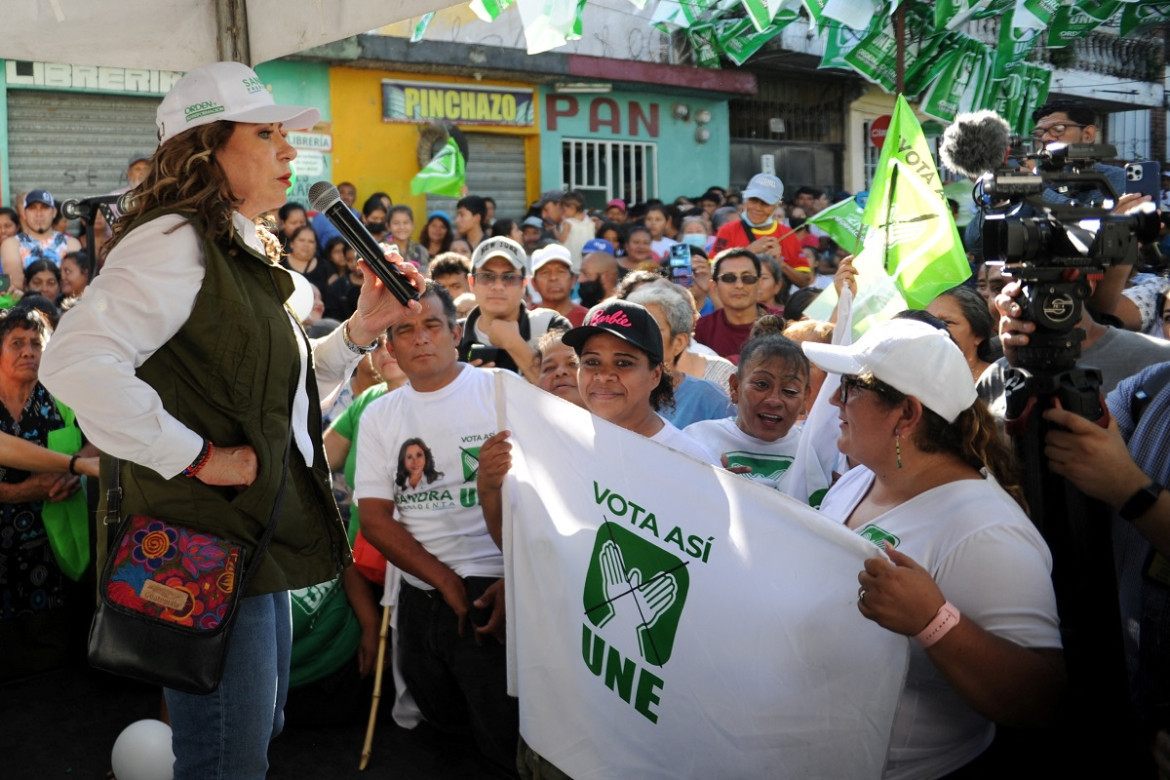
x,y
635,590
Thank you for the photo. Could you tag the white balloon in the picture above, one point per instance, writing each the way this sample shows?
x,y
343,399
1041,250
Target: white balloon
x,y
143,752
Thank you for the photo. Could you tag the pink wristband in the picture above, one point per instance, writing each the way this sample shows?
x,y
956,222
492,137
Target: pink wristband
x,y
944,620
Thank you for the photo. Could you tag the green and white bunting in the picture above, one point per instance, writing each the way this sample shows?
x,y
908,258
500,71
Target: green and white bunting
x,y
550,23
420,28
1072,22
764,13
489,10
444,175
1137,17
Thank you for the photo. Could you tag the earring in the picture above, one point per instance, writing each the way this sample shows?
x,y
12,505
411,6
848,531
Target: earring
x,y
898,447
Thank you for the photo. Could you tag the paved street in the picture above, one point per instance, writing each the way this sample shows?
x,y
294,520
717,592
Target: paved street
x,y
63,725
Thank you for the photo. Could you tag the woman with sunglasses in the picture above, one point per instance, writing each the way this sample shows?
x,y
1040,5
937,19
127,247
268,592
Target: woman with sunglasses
x,y
967,575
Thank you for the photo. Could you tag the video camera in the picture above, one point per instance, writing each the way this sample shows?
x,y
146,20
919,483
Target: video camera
x,y
1053,248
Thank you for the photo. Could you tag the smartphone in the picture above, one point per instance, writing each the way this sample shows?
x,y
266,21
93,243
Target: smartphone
x,y
5,284
483,352
1144,178
680,264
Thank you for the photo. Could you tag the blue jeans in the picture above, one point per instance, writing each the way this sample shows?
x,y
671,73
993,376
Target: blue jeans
x,y
460,686
224,735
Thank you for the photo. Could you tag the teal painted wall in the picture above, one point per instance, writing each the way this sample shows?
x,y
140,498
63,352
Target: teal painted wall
x,y
685,166
298,83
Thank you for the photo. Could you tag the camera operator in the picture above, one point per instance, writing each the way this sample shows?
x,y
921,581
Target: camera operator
x,y
1125,466
1117,352
1073,122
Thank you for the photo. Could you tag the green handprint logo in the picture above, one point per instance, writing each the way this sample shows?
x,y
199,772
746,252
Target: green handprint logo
x,y
643,598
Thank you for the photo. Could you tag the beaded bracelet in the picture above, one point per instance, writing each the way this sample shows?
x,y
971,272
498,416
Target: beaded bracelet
x,y
200,460
73,465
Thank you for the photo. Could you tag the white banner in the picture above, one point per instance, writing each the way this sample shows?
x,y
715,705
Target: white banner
x,y
668,619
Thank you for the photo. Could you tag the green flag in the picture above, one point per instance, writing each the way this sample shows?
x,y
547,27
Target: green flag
x,y
421,27
842,221
445,174
488,10
906,216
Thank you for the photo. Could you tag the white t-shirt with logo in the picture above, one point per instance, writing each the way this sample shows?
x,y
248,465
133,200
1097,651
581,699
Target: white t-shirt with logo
x,y
768,460
442,510
672,437
989,561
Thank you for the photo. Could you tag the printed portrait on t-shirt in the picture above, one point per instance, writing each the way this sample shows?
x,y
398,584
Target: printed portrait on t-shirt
x,y
415,463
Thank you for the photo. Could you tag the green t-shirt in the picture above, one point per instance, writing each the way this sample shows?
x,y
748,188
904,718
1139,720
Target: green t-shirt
x,y
346,425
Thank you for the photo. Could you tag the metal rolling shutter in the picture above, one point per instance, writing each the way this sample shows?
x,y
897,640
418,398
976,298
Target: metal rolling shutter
x,y
496,169
75,144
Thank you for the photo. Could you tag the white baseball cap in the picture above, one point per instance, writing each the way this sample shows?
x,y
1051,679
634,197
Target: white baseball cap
x,y
910,356
500,246
552,253
227,91
765,187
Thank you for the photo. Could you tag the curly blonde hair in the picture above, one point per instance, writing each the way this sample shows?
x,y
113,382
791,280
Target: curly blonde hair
x,y
185,177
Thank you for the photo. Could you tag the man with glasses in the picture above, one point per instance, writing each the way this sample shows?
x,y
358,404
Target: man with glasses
x,y
737,278
1072,122
500,318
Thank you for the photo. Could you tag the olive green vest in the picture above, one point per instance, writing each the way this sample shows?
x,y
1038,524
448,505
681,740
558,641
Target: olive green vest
x,y
230,375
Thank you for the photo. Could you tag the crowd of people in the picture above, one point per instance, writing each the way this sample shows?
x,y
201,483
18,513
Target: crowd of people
x,y
681,321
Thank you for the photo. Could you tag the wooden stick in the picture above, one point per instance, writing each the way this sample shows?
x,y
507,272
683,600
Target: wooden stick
x,y
368,746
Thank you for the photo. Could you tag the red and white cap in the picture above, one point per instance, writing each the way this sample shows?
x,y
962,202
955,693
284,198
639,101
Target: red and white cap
x,y
225,91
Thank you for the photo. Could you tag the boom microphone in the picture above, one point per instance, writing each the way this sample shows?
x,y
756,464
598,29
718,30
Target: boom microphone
x,y
325,198
975,144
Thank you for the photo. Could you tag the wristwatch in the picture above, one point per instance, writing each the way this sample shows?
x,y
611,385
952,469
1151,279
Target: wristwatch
x,y
354,348
1140,502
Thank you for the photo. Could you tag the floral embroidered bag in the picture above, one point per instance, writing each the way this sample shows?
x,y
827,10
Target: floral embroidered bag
x,y
168,594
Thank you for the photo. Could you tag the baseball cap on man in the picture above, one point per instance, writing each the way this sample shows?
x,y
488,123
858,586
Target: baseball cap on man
x,y
533,222
500,246
616,203
39,196
597,245
629,321
227,91
910,356
766,187
552,253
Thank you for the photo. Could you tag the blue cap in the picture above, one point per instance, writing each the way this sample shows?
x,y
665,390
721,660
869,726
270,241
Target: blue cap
x,y
597,245
533,222
441,215
39,196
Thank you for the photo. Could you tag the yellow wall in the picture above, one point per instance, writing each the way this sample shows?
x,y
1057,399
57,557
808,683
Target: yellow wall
x,y
377,155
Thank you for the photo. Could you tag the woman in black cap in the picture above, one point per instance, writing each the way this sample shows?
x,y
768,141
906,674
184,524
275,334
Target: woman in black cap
x,y
622,377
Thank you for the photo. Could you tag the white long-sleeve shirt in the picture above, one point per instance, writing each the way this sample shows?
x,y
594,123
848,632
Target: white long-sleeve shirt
x,y
143,296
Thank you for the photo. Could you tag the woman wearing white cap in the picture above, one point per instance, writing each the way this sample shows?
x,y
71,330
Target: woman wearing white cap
x,y
967,576
184,360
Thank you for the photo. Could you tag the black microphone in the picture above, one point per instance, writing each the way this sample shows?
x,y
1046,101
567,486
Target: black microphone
x,y
78,208
325,198
975,144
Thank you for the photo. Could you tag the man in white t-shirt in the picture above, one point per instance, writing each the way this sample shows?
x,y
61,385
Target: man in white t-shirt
x,y
417,464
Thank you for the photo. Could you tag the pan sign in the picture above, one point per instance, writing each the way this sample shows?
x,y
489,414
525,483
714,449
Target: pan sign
x,y
463,104
877,130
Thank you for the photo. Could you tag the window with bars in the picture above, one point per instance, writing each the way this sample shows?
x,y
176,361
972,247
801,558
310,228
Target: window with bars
x,y
603,170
